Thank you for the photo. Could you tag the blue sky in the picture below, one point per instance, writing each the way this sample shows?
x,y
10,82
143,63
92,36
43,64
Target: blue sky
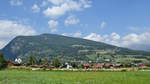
x,y
122,23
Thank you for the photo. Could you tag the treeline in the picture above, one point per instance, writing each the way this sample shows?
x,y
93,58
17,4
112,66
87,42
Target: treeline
x,y
57,63
34,61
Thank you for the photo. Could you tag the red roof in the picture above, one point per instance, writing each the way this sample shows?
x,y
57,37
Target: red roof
x,y
98,65
86,65
142,64
10,63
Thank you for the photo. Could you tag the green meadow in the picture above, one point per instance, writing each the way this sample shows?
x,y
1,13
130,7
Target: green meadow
x,y
53,77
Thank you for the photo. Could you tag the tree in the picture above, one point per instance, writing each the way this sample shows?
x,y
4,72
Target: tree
x,y
3,62
32,60
74,64
40,61
45,61
56,63
148,64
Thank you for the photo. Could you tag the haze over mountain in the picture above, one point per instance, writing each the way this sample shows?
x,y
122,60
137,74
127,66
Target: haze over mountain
x,y
52,46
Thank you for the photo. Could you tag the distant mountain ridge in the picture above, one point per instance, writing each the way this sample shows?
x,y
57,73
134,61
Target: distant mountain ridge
x,y
52,46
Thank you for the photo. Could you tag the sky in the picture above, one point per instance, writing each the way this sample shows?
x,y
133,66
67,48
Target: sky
x,y
123,23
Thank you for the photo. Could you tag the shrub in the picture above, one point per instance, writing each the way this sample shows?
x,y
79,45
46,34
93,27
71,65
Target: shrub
x,y
3,62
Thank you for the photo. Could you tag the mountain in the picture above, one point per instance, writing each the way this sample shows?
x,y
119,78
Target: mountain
x,y
145,47
52,46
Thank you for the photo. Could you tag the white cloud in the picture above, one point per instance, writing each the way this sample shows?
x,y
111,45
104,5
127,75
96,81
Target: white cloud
x,y
102,25
136,40
86,3
16,2
77,34
10,29
94,37
61,7
65,34
110,39
71,20
115,36
132,40
57,11
35,8
44,3
57,2
53,25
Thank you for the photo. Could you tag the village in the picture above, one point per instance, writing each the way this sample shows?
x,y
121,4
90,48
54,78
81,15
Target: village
x,y
86,66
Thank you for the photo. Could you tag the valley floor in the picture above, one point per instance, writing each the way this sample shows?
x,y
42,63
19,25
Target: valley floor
x,y
57,77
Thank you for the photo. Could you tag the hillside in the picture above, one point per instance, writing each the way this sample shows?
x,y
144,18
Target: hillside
x,y
52,46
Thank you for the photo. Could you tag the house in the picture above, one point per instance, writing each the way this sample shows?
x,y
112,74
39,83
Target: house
x,y
87,65
67,66
107,60
10,63
109,65
98,66
13,64
18,60
142,65
118,65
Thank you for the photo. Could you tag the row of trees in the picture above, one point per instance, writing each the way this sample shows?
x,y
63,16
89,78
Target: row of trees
x,y
55,62
33,61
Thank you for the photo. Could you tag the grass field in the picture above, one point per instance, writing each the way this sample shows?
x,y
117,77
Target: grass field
x,y
49,77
